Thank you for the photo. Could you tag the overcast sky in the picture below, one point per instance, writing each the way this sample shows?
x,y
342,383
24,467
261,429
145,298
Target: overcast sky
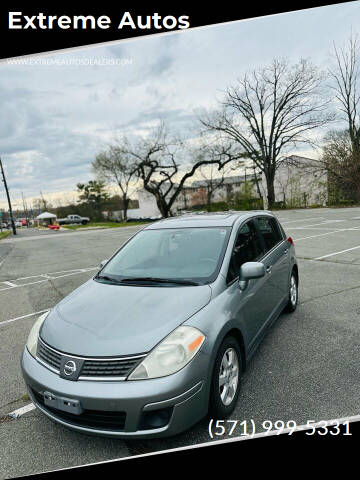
x,y
55,118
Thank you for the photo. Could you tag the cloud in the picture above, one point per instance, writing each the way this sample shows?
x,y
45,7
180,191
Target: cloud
x,y
55,117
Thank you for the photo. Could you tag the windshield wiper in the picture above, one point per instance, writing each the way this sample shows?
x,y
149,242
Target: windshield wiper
x,y
109,279
159,280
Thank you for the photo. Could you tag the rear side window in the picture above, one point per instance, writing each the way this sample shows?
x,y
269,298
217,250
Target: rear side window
x,y
282,231
270,231
247,248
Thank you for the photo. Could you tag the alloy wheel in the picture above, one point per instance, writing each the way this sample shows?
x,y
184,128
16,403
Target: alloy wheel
x,y
228,376
293,290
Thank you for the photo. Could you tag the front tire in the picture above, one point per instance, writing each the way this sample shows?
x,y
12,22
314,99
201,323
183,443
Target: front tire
x,y
293,293
225,384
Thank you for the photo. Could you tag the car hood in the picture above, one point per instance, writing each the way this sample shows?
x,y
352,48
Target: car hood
x,y
99,319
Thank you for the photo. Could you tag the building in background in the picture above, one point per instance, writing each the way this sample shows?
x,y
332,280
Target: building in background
x,y
196,194
193,195
297,185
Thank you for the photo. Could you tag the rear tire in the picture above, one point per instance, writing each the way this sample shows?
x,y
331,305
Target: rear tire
x,y
293,293
225,385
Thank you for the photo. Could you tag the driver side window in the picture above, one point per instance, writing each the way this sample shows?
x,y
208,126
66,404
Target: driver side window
x,y
247,248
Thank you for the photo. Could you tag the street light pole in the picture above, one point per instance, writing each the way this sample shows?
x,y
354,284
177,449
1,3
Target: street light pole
x,y
8,198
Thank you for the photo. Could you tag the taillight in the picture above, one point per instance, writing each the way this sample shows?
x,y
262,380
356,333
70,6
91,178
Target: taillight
x,y
290,240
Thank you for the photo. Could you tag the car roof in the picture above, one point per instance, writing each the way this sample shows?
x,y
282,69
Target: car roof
x,y
223,219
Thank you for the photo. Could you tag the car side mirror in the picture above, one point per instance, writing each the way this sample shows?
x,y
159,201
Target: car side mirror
x,y
249,271
103,263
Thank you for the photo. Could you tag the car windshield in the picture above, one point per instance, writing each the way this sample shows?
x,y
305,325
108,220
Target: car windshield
x,y
184,255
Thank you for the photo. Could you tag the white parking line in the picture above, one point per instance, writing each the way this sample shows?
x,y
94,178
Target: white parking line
x,y
20,411
67,234
75,270
47,277
337,253
23,316
10,284
303,220
318,235
325,222
311,228
327,233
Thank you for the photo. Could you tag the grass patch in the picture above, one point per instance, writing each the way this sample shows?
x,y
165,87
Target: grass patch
x,y
104,225
4,234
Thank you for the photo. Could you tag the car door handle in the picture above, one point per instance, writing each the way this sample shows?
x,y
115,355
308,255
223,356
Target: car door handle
x,y
268,269
286,251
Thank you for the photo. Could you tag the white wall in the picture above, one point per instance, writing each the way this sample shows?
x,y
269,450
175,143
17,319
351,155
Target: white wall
x,y
293,183
147,206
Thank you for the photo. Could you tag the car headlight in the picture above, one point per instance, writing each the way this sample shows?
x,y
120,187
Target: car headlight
x,y
32,340
171,355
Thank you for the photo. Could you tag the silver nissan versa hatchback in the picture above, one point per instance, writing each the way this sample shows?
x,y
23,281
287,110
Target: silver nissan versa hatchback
x,y
160,336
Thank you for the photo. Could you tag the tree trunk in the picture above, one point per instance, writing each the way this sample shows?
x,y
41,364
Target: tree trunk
x,y
164,210
269,176
258,189
163,207
208,200
126,202
161,203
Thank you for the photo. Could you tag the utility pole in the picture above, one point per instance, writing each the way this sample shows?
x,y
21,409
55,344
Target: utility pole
x,y
8,198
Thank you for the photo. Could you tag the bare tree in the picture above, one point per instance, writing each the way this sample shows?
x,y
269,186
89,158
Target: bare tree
x,y
342,165
212,182
116,165
340,157
161,165
346,84
271,111
41,204
213,178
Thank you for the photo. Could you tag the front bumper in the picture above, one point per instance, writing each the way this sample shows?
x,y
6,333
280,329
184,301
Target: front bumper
x,y
183,395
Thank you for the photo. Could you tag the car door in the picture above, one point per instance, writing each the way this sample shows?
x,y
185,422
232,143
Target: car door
x,y
275,260
249,306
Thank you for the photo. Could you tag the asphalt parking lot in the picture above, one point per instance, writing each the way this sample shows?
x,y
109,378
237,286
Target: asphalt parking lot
x,y
307,367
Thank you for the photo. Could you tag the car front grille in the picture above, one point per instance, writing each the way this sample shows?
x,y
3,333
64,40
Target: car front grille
x,y
49,356
94,419
109,368
93,368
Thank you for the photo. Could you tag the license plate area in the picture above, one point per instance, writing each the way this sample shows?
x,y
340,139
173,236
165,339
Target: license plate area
x,y
63,403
